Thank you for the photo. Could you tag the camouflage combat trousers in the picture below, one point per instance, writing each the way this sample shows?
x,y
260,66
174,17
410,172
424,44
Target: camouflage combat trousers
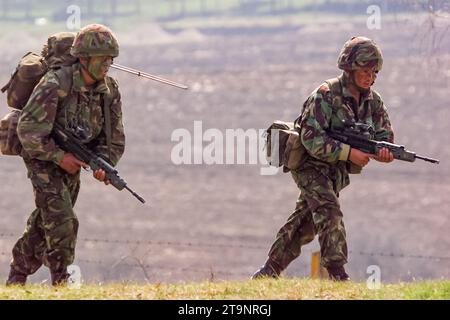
x,y
51,231
317,213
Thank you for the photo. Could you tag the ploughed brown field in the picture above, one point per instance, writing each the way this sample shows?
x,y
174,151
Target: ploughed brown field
x,y
217,221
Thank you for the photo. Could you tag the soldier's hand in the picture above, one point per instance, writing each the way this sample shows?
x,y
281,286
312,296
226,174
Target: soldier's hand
x,y
72,165
384,155
100,175
359,158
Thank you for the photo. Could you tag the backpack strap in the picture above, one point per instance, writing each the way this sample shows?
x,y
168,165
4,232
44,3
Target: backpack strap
x,y
64,76
336,92
106,102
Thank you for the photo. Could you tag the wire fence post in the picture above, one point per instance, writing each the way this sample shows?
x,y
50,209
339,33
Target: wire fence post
x,y
317,271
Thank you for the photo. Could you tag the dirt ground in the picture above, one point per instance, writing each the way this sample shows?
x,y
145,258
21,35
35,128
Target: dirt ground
x,y
218,221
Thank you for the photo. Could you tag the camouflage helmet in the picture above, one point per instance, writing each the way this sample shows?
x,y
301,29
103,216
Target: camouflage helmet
x,y
360,52
95,40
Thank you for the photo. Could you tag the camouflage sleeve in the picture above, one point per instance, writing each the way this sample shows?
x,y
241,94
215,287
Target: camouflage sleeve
x,y
36,121
315,121
117,134
382,124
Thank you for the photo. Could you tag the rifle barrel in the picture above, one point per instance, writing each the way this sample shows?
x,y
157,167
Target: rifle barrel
x,y
135,194
428,159
148,76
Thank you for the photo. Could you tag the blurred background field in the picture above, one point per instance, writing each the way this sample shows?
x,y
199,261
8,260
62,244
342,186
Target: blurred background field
x,y
247,63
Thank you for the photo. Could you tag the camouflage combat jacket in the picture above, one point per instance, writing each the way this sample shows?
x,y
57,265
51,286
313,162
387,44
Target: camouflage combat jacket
x,y
326,155
62,96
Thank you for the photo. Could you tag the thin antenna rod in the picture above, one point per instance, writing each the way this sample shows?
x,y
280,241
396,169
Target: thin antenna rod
x,y
148,76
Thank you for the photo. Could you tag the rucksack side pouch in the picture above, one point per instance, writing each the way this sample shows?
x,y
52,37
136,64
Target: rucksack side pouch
x,y
294,153
276,138
9,140
288,150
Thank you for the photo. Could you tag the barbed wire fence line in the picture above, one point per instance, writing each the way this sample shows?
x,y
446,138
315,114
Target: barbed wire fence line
x,y
234,245
209,272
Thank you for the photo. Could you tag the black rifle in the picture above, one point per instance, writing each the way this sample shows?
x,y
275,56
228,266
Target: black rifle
x,y
69,142
358,136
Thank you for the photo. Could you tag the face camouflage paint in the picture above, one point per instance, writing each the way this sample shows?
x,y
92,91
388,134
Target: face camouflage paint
x,y
98,67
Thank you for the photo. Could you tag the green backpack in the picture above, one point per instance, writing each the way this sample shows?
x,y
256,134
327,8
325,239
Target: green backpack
x,y
31,68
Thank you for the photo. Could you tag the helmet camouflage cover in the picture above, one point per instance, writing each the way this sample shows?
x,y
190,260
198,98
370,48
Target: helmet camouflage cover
x,y
95,40
360,52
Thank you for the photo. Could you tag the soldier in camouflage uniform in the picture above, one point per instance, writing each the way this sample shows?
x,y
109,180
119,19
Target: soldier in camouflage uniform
x,y
75,97
325,170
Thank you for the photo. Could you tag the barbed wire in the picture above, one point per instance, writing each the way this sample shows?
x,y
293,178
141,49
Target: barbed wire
x,y
241,246
157,242
211,272
175,243
399,255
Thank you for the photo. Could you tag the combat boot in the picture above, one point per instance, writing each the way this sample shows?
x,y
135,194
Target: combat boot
x,y
338,274
60,277
16,278
268,270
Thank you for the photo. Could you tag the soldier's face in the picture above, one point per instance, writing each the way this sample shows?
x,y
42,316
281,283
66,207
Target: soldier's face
x,y
99,66
365,77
